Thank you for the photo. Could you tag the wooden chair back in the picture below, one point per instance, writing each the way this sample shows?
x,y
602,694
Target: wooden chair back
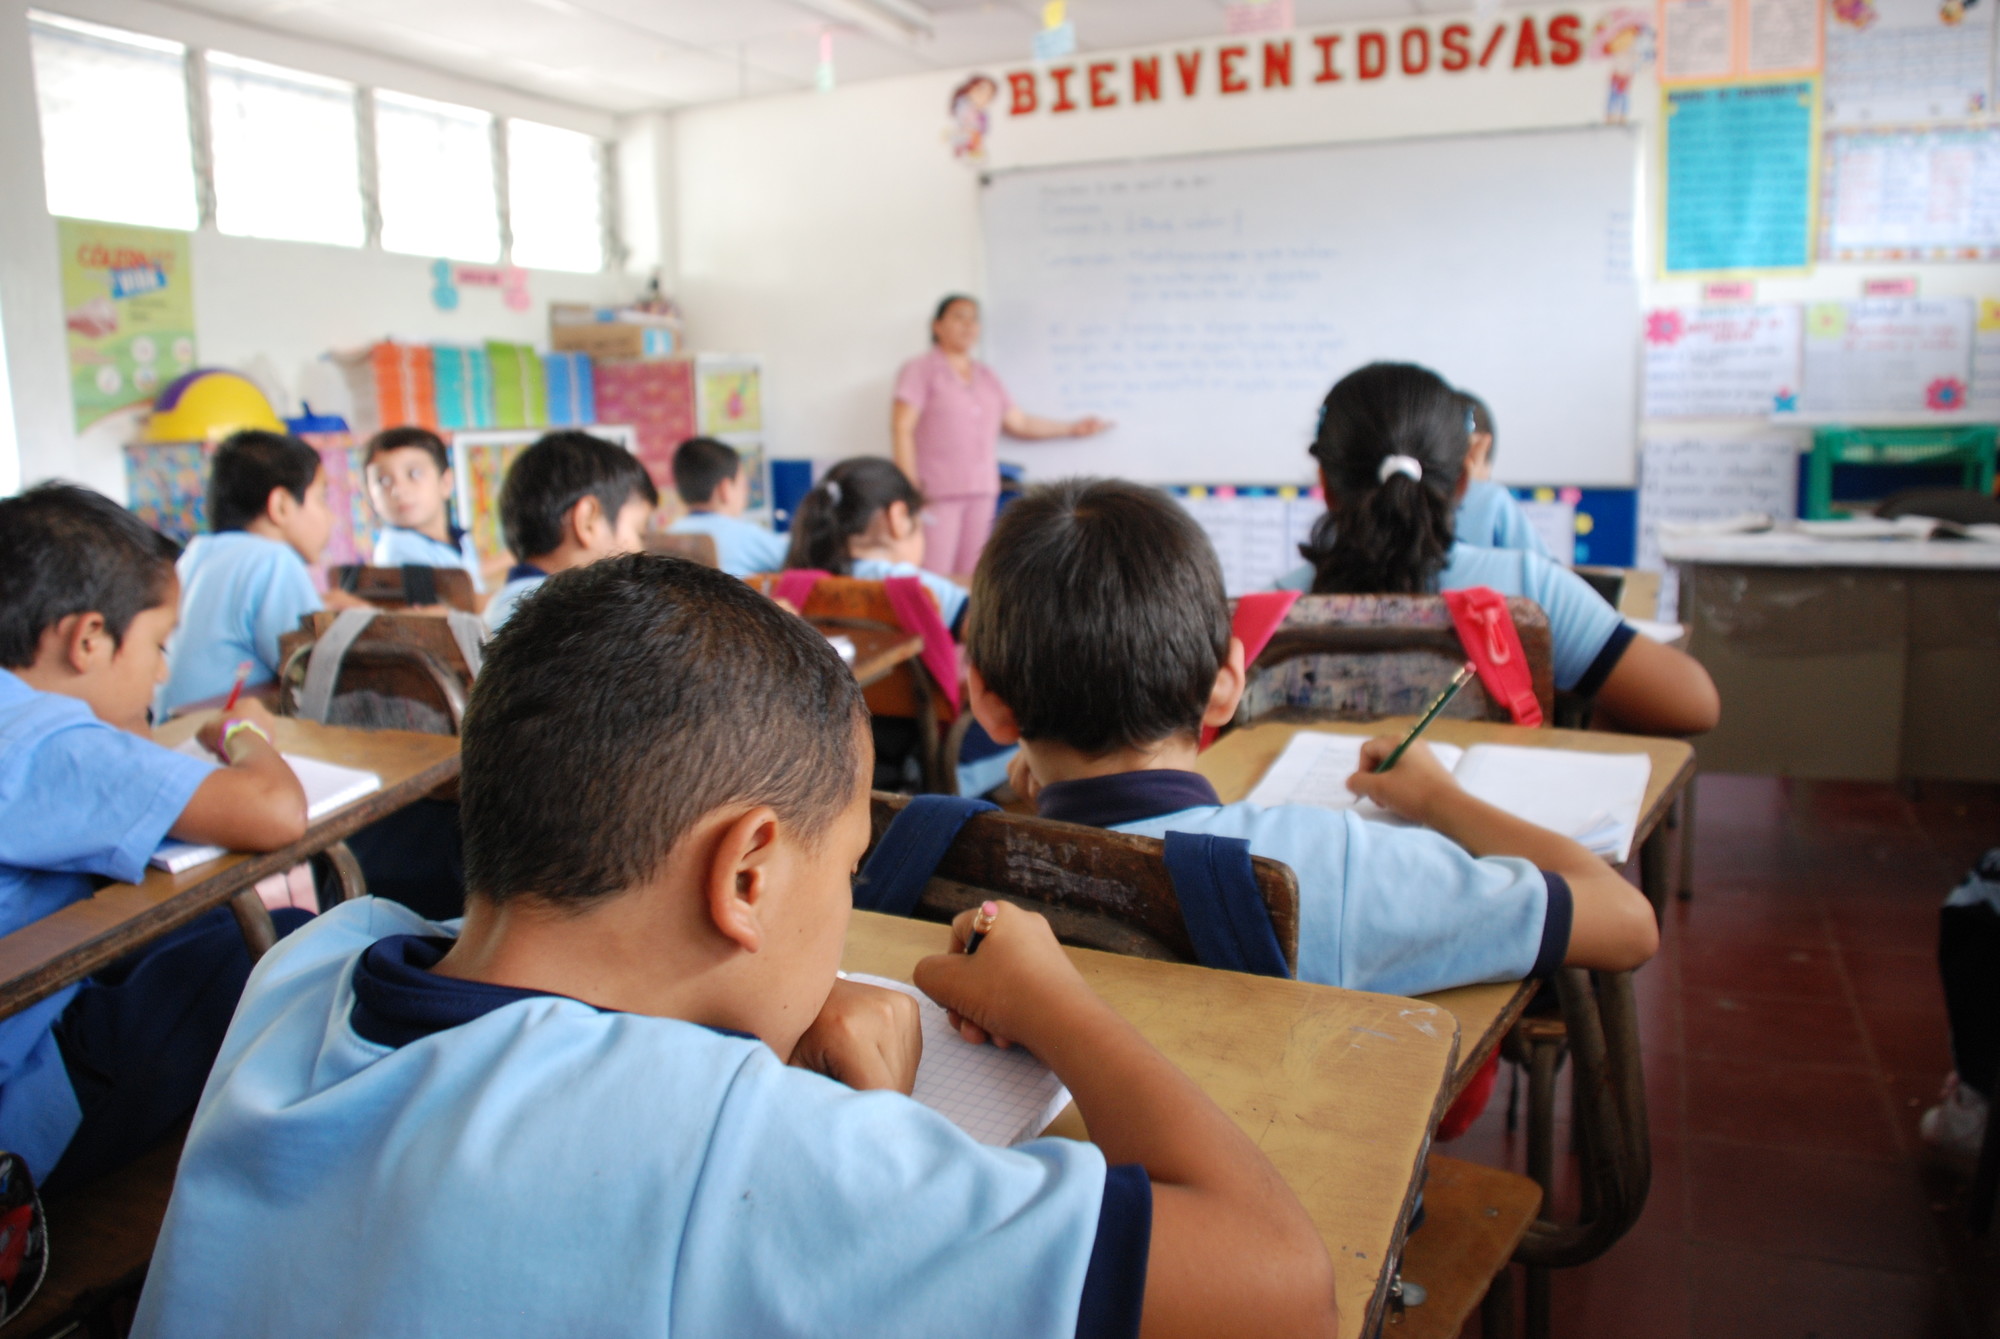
x,y
1099,889
906,692
405,672
391,587
1361,657
694,548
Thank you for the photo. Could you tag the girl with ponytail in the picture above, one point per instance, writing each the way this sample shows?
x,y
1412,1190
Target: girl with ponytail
x,y
1391,454
864,518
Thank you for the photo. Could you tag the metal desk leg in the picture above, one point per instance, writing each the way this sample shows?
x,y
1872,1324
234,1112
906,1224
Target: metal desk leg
x,y
254,920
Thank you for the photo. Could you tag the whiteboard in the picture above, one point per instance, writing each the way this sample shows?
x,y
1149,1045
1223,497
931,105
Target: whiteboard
x,y
1206,304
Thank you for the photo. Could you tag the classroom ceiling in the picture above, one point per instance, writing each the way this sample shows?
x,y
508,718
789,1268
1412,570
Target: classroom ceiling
x,y
637,55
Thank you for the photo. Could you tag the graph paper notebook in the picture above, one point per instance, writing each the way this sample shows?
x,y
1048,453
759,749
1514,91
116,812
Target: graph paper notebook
x,y
998,1097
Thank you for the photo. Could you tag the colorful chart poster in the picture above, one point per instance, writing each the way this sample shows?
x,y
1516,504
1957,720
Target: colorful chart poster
x,y
1739,39
731,399
1911,195
1697,39
1907,357
1908,60
1256,531
128,306
1985,405
1722,362
1740,161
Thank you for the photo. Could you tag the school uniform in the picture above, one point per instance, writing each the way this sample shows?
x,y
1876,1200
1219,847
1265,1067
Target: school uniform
x,y
1490,518
1587,635
950,595
508,1162
521,578
740,547
82,801
239,593
399,547
1404,911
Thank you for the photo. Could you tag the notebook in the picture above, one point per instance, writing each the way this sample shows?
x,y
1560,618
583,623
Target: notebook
x,y
328,786
1592,798
998,1097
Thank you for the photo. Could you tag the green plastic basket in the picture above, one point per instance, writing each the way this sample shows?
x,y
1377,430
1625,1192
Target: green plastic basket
x,y
1969,446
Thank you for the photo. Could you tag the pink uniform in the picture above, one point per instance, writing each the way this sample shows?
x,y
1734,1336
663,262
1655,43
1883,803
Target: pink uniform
x,y
958,425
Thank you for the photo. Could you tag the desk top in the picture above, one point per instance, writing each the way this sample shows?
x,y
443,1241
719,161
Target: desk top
x,y
1784,550
1339,1088
41,958
876,650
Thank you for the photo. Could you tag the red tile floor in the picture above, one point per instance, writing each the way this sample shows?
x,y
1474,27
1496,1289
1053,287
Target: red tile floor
x,y
1793,1031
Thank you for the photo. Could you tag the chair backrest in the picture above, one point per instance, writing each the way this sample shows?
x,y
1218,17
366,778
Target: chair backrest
x,y
1359,657
1099,889
908,691
694,548
404,587
403,672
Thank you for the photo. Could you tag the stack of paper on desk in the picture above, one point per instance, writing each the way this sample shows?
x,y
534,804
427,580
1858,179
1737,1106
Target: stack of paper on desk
x,y
1592,798
328,787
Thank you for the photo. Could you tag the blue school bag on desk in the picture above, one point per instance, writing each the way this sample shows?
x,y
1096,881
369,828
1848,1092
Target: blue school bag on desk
x,y
1211,876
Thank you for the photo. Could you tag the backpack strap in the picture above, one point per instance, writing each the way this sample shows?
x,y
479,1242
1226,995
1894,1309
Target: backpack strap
x,y
901,864
1222,905
420,585
919,614
1486,630
323,665
350,577
1256,619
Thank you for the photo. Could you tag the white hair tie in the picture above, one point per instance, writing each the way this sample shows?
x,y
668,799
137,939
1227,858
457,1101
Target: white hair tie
x,y
832,487
1409,465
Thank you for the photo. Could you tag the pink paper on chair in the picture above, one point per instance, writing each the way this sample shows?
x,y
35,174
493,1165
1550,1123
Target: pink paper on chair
x,y
795,587
1257,619
918,613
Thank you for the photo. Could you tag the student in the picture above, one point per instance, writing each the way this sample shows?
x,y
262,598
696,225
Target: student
x,y
1391,453
245,584
98,1072
569,500
629,1094
709,477
410,486
1488,515
864,519
1099,639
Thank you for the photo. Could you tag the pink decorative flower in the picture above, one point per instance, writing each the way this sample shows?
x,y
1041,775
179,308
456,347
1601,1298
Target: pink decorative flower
x,y
1663,327
1945,393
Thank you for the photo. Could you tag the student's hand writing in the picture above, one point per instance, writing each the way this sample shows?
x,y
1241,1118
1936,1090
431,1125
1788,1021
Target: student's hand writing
x,y
865,1036
1022,779
246,709
1019,979
1411,788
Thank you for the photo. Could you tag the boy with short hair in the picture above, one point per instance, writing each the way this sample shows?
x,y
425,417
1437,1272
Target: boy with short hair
x,y
1488,515
592,1107
98,1072
708,475
1099,638
568,500
410,486
245,584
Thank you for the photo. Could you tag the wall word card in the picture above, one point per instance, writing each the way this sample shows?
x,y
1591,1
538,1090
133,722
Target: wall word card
x,y
1685,480
1256,531
1735,39
1985,405
1911,195
1905,356
1722,362
1739,177
1908,60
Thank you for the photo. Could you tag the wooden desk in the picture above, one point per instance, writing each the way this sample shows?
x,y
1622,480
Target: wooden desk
x,y
41,958
877,650
1339,1088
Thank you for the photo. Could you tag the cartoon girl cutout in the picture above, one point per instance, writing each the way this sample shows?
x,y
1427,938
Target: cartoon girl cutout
x,y
1625,38
969,102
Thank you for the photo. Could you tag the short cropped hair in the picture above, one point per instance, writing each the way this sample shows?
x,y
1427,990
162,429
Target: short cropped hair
x,y
622,702
406,438
66,550
1098,615
247,466
555,474
701,465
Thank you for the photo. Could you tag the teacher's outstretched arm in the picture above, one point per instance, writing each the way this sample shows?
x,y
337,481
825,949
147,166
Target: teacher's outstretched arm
x,y
903,437
1019,423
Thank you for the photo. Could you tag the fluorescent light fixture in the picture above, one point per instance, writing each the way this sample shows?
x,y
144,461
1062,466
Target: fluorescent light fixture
x,y
897,20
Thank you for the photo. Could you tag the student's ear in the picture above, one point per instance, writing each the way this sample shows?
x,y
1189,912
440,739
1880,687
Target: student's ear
x,y
996,716
737,883
280,506
1228,690
587,526
901,523
78,642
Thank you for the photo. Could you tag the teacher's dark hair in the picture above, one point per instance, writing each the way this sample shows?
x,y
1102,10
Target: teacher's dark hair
x,y
841,505
945,304
1386,535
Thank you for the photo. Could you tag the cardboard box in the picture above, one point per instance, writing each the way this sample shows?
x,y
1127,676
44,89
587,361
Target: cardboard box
x,y
609,332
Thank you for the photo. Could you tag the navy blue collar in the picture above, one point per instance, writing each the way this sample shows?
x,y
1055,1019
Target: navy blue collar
x,y
524,571
457,534
1125,797
399,997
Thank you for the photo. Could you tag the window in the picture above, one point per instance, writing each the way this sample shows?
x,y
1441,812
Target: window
x,y
115,141
286,155
434,163
555,197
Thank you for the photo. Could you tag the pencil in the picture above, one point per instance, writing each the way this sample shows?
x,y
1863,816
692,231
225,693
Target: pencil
x,y
989,912
1458,681
236,689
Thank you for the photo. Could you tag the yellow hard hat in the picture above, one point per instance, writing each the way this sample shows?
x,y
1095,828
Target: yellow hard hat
x,y
207,405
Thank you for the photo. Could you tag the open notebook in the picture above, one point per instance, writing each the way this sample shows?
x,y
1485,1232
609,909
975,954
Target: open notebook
x,y
1593,798
998,1097
328,787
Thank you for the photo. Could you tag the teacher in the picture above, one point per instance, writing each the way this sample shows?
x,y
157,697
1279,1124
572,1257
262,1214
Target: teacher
x,y
948,416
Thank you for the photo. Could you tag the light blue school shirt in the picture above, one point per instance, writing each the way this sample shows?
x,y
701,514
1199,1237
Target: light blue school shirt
x,y
950,595
1489,517
1586,634
79,800
1404,911
520,581
398,547
239,593
740,547
544,1167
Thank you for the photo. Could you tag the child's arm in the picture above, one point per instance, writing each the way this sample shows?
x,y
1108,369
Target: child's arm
x,y
1657,690
253,804
1232,1251
1612,926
